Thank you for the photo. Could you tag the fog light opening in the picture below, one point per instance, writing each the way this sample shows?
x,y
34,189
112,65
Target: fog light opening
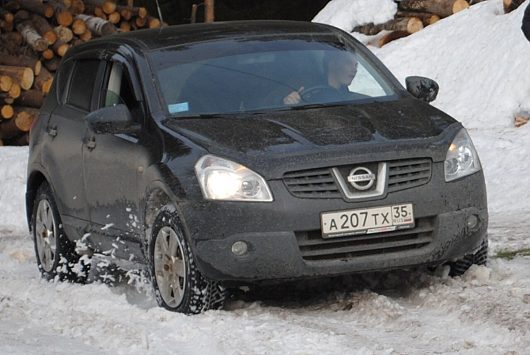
x,y
239,248
472,221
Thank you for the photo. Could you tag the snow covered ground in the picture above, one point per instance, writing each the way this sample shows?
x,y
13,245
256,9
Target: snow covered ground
x,y
478,57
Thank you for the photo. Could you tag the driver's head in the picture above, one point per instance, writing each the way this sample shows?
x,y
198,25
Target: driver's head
x,y
341,66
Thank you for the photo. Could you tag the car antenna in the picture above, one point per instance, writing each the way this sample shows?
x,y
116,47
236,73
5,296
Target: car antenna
x,y
159,11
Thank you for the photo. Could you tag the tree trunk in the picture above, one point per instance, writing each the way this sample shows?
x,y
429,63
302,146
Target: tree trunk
x,y
32,37
98,25
408,24
23,61
31,98
23,76
442,8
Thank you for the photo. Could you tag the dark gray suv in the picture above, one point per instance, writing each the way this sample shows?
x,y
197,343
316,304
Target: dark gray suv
x,y
233,153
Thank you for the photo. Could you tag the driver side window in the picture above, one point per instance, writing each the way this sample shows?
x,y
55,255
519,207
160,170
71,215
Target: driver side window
x,y
119,89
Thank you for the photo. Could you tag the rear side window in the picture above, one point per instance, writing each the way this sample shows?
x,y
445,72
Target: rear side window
x,y
82,83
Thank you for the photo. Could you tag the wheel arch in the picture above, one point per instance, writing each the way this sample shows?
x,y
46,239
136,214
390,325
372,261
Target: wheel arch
x,y
35,180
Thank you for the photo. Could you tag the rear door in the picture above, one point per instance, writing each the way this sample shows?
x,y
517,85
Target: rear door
x,y
65,129
110,163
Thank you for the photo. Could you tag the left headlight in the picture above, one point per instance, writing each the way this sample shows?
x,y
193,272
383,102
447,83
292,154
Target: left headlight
x,y
222,179
462,158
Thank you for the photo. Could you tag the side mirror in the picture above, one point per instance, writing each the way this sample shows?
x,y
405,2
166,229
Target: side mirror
x,y
111,120
422,88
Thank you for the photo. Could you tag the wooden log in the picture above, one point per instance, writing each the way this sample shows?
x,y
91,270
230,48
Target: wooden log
x,y
97,25
15,90
6,15
23,61
209,11
31,98
7,112
77,7
21,122
21,140
392,36
87,36
48,54
442,8
125,26
107,6
64,33
5,99
60,48
23,75
43,81
31,36
36,6
6,26
408,24
510,5
53,64
153,22
5,83
21,16
79,26
44,28
63,15
140,22
128,12
114,17
425,17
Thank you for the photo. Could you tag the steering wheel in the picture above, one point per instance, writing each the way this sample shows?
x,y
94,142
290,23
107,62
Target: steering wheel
x,y
315,92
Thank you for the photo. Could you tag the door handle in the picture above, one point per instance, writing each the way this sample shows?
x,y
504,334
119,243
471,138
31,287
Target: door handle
x,y
52,131
91,144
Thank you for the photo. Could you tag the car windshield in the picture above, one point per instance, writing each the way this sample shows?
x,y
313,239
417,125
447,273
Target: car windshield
x,y
260,74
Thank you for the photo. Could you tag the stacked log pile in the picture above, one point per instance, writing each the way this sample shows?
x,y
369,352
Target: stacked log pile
x,y
414,15
35,35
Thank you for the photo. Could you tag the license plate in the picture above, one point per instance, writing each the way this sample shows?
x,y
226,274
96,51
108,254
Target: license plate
x,y
367,221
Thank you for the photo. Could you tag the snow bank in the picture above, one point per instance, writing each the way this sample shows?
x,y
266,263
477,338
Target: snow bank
x,y
479,57
347,14
13,161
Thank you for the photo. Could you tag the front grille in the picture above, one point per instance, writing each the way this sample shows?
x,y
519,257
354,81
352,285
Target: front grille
x,y
320,183
315,183
313,247
405,174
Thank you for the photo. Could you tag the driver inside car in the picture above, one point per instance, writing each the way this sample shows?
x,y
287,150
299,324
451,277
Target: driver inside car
x,y
341,70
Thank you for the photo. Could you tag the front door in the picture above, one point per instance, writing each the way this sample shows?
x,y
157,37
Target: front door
x,y
111,171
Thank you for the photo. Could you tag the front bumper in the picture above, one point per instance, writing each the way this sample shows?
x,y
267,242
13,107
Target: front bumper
x,y
284,236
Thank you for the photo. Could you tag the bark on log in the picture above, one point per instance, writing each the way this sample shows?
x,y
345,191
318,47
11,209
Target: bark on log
x,y
6,15
37,7
21,122
97,25
21,15
392,36
53,64
63,15
23,61
64,33
19,140
5,99
510,5
44,81
23,75
442,8
31,36
31,98
408,24
60,48
6,26
44,29
128,12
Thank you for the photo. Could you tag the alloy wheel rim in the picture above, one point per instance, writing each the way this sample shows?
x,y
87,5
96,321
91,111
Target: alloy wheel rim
x,y
170,267
46,235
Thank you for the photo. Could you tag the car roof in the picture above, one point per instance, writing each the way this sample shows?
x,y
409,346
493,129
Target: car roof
x,y
151,39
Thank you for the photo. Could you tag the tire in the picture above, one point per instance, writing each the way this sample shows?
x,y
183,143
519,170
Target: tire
x,y
55,253
479,257
178,284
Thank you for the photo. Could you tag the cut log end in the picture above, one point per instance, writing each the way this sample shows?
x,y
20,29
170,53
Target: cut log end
x,y
7,112
414,25
5,83
460,5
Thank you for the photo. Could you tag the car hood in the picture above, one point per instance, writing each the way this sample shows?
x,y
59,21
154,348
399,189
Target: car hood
x,y
305,138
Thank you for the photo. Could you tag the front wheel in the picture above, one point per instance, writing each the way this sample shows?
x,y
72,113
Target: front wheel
x,y
178,284
56,255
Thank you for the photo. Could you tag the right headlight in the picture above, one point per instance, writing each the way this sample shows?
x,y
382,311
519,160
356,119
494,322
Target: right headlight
x,y
462,158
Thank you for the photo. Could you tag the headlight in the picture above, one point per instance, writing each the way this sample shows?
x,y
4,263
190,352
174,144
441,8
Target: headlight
x,y
222,179
462,158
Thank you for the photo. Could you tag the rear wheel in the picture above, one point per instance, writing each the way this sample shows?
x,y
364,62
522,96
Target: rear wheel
x,y
56,255
179,286
479,257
